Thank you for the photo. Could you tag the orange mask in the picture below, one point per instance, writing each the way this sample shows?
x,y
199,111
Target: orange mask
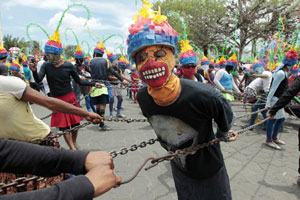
x,y
155,66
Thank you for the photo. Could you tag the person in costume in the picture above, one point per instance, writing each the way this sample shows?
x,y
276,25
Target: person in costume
x,y
101,69
59,73
116,90
188,60
278,86
224,80
81,69
285,98
180,111
210,74
15,70
3,59
259,86
135,83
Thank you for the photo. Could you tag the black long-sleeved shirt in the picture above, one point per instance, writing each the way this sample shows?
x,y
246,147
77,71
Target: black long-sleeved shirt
x,y
287,96
59,78
20,157
188,122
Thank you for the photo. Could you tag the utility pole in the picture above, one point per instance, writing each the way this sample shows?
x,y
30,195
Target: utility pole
x,y
1,41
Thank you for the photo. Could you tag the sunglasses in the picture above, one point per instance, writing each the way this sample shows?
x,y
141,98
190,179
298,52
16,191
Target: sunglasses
x,y
189,66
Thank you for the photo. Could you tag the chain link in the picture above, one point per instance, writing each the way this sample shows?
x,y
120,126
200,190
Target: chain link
x,y
21,183
172,155
134,147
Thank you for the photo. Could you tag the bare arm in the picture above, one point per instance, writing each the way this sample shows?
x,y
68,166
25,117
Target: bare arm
x,y
57,105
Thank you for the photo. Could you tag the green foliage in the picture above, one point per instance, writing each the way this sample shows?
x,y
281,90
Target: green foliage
x,y
69,51
10,41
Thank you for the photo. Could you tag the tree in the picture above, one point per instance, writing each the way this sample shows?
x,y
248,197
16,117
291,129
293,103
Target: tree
x,y
212,21
69,51
10,41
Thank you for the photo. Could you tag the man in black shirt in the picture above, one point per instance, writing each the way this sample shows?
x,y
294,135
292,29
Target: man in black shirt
x,y
181,113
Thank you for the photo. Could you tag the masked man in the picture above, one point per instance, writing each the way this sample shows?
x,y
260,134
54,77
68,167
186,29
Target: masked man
x,y
180,111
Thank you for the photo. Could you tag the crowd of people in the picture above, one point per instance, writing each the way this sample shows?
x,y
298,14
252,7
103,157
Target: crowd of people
x,y
170,95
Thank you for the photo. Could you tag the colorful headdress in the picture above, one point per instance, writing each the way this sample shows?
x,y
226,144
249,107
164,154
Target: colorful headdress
x,y
149,29
295,69
54,44
111,56
217,65
3,52
257,64
232,61
79,53
222,63
187,55
15,65
122,61
204,61
99,48
291,57
212,61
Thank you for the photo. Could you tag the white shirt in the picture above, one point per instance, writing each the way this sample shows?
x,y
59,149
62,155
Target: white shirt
x,y
44,81
127,73
17,121
262,83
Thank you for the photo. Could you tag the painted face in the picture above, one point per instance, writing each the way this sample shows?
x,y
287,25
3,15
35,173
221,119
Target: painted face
x,y
155,65
53,58
188,70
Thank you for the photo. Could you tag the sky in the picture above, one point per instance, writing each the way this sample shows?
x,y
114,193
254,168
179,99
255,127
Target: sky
x,y
106,17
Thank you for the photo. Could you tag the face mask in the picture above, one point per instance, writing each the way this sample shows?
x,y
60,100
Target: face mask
x,y
188,71
53,58
155,65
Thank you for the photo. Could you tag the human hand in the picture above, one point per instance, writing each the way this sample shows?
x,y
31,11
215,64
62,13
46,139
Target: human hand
x,y
271,116
241,94
98,85
96,158
32,66
233,135
93,117
125,83
103,179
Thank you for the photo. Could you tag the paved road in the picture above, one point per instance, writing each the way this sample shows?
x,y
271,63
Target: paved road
x,y
256,171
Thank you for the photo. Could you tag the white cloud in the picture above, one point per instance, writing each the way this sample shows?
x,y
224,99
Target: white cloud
x,y
77,23
44,4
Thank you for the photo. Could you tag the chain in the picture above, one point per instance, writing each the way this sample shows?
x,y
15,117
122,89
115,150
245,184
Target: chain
x,y
20,183
247,114
130,120
134,147
172,155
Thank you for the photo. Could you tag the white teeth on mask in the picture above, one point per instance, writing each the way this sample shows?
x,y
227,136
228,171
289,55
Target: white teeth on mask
x,y
154,73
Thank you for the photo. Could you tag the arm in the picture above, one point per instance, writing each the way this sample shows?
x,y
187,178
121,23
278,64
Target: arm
x,y
217,80
235,88
78,80
278,77
38,76
116,74
44,160
260,75
57,105
286,96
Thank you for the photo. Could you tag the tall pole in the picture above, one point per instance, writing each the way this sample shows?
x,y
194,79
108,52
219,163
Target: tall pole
x,y
1,41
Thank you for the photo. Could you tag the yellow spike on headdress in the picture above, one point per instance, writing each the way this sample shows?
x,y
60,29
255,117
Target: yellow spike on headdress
x,y
55,37
107,52
204,58
293,48
233,57
122,58
185,46
158,18
146,11
101,45
222,59
78,48
1,48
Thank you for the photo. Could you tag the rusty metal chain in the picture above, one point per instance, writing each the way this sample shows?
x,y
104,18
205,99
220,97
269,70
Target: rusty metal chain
x,y
248,114
171,155
128,120
20,184
134,147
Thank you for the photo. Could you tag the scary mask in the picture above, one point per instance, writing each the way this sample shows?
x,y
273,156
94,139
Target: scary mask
x,y
155,65
53,58
188,70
